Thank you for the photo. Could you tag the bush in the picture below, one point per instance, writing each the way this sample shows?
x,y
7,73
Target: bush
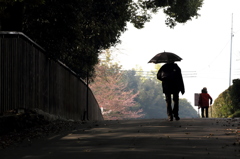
x,y
228,102
236,114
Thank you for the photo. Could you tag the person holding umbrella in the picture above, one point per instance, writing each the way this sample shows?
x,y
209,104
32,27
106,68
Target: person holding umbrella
x,y
172,81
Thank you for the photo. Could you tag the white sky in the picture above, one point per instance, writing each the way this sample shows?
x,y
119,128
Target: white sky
x,y
203,43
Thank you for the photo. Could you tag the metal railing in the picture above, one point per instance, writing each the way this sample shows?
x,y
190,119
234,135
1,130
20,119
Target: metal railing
x,y
29,79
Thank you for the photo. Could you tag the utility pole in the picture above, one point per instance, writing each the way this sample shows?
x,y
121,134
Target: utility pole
x,y
230,72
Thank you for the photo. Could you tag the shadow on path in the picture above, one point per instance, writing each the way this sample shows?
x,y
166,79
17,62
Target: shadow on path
x,y
140,139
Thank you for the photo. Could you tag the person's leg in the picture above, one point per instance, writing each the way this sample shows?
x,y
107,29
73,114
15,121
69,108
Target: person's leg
x,y
206,110
202,112
176,105
169,106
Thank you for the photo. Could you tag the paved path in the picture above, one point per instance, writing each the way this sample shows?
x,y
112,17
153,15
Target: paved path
x,y
138,139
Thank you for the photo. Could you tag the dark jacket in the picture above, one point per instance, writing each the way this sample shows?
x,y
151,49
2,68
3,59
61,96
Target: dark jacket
x,y
171,77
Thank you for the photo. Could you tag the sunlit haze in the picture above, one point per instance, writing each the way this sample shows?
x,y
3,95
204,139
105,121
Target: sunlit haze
x,y
204,45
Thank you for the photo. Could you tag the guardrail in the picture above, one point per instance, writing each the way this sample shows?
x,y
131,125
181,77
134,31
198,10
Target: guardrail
x,y
29,79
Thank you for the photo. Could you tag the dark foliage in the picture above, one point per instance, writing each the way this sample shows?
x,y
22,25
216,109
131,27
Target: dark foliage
x,y
74,31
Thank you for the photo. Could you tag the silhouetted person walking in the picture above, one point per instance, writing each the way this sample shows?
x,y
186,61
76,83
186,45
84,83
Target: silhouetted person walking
x,y
203,102
172,83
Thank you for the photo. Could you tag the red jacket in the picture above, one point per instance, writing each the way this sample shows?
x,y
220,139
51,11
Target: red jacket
x,y
204,100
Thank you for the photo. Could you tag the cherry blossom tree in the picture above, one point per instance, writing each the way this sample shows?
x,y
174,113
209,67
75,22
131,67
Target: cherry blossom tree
x,y
109,88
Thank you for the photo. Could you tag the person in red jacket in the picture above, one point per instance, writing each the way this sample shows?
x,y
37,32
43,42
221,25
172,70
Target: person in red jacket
x,y
203,102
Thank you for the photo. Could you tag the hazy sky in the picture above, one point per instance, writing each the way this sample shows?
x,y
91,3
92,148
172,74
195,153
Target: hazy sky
x,y
203,43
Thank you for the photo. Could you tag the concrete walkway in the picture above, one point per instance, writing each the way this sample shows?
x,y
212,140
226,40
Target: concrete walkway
x,y
138,139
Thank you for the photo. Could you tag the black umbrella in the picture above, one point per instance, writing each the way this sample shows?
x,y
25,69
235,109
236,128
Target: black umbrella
x,y
165,57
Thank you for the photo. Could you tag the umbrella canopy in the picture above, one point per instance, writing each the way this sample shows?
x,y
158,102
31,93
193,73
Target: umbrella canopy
x,y
165,57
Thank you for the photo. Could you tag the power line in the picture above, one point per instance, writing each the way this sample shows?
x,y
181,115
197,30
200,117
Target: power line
x,y
211,62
